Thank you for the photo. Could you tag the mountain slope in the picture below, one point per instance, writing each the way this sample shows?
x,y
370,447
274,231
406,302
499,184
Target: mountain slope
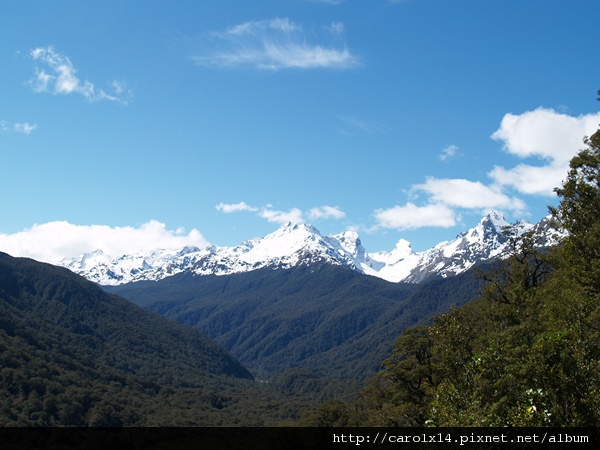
x,y
301,244
481,243
72,354
327,318
290,245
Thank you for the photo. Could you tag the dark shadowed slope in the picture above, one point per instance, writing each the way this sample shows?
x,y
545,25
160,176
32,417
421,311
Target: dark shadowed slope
x,y
324,317
68,348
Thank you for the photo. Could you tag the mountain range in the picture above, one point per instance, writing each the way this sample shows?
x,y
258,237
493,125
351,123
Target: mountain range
x,y
302,244
328,319
311,315
298,299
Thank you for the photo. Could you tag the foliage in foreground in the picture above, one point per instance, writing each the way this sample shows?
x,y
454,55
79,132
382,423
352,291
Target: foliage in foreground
x,y
526,353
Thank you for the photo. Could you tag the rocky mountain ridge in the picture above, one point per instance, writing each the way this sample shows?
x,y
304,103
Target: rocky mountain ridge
x,y
296,244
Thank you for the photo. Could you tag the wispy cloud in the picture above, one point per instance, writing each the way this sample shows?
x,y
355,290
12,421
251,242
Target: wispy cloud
x,y
329,2
235,207
294,215
23,128
326,212
53,241
351,124
449,152
56,74
339,2
275,44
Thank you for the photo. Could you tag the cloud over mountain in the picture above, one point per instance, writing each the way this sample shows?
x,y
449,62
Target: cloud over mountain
x,y
50,242
294,215
551,137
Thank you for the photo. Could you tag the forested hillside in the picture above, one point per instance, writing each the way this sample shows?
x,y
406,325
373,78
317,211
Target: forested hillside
x,y
328,319
526,353
70,354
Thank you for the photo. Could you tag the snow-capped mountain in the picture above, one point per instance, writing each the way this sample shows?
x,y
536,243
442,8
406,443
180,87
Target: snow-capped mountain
x,y
295,244
483,242
290,245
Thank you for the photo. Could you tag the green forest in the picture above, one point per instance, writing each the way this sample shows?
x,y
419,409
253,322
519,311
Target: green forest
x,y
525,353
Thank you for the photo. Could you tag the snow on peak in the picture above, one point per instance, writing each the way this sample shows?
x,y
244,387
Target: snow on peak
x,y
293,227
286,240
403,247
349,241
293,244
495,218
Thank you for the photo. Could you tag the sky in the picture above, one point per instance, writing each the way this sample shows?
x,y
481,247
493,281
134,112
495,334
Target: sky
x,y
140,124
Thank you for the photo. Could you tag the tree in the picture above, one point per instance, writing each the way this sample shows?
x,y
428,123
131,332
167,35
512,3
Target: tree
x,y
410,372
579,215
572,343
527,352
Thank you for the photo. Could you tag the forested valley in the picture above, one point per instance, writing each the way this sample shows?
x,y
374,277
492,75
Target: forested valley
x,y
526,352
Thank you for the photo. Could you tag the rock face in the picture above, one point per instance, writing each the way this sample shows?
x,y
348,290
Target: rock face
x,y
302,244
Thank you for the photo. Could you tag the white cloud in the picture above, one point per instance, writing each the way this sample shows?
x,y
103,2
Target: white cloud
x,y
53,241
294,215
273,45
23,128
411,216
326,212
552,137
461,193
449,152
444,198
532,180
235,207
55,74
545,134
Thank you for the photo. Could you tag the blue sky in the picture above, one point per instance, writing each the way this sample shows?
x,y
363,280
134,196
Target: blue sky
x,y
150,123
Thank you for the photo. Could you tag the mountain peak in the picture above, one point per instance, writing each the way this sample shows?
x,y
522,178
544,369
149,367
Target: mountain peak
x,y
294,244
495,218
350,237
290,227
290,234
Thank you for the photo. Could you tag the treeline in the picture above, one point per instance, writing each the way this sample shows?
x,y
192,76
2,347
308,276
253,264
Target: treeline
x,y
526,353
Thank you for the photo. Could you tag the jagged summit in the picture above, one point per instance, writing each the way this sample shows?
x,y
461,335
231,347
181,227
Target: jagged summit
x,y
495,218
295,244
